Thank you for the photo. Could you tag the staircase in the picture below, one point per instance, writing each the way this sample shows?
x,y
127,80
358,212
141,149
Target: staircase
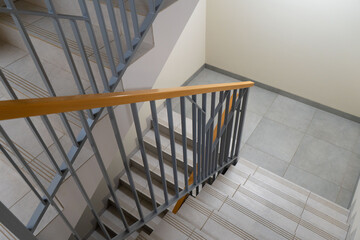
x,y
247,202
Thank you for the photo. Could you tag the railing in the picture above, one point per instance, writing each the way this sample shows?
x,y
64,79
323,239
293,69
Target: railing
x,y
212,151
109,66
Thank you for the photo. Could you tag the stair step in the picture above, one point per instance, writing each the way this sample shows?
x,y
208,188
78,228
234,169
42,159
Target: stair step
x,y
96,236
45,40
153,162
111,219
172,227
144,236
133,236
141,185
150,145
236,175
225,185
128,205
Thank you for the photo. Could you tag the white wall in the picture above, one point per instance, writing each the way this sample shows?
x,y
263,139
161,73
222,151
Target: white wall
x,y
309,48
187,56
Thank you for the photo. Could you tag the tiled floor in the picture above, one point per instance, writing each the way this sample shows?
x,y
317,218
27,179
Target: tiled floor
x,y
315,149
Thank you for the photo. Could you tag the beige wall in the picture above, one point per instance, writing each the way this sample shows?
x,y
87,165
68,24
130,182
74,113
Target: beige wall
x,y
308,48
187,56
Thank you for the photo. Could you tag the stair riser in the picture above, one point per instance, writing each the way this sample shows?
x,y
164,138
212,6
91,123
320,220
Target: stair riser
x,y
167,157
178,137
153,175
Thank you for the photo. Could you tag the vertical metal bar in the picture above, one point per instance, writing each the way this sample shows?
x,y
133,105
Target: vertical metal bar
x,y
200,166
184,142
105,36
172,145
12,162
217,156
212,118
143,153
30,124
229,126
84,56
125,25
223,130
159,150
124,159
237,123
13,224
242,120
38,65
115,30
194,139
66,49
44,201
134,18
73,173
102,167
151,6
90,30
203,139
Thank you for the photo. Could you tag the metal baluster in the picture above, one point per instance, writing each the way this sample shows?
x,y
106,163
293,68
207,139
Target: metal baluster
x,y
223,129
13,224
124,159
134,19
102,167
151,6
237,123
199,167
212,116
37,181
105,36
84,56
217,155
184,142
230,126
134,111
194,139
31,125
12,162
203,138
159,150
115,30
73,173
38,65
67,52
242,120
125,25
172,145
94,45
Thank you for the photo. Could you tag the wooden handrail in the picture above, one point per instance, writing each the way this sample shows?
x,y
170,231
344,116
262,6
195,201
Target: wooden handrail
x,y
43,106
181,201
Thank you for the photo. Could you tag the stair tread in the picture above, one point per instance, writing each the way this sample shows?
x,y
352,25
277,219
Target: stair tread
x,y
96,236
141,185
167,148
144,236
112,221
155,169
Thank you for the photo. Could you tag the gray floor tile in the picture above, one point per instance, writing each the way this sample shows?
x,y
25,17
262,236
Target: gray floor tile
x,y
251,122
291,113
337,130
276,139
344,198
313,183
260,100
9,54
322,159
356,147
264,160
351,177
